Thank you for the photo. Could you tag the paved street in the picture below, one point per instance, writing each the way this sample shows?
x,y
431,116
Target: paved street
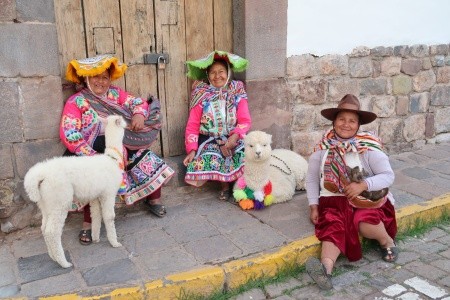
x,y
202,237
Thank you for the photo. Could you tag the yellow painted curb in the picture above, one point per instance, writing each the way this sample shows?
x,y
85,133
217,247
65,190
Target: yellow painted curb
x,y
230,275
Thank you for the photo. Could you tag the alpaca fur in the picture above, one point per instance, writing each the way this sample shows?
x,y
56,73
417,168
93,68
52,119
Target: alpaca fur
x,y
260,162
94,180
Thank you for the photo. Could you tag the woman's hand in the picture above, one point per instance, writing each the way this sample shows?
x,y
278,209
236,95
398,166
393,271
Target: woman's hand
x,y
189,158
314,213
354,189
137,122
232,141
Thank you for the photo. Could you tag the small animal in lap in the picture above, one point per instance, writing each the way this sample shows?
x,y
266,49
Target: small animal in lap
x,y
54,183
355,175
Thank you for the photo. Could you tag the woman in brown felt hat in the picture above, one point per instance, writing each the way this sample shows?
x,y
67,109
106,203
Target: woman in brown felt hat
x,y
338,211
82,131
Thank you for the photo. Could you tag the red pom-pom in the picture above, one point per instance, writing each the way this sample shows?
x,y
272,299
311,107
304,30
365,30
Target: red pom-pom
x,y
268,188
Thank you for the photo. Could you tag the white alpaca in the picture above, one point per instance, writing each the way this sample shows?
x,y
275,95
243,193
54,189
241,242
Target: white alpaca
x,y
53,184
285,169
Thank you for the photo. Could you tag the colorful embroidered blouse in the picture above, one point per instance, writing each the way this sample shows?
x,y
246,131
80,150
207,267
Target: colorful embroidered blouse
x,y
80,123
217,112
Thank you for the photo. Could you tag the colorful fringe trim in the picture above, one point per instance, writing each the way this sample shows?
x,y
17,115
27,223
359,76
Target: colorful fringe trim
x,y
250,199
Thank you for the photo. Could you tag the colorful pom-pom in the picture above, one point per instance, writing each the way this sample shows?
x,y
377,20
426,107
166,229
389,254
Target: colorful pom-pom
x,y
123,185
246,204
241,183
249,193
258,205
239,195
268,188
259,196
268,200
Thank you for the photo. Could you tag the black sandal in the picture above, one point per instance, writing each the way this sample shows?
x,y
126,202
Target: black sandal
x,y
158,210
390,254
85,237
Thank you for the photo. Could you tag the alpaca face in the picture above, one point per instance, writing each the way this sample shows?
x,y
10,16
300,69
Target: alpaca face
x,y
257,146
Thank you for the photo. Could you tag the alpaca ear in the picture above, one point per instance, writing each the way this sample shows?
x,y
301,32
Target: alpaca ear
x,y
270,138
119,122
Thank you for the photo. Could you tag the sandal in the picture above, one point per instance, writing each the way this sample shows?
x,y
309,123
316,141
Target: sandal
x,y
318,273
85,237
158,210
390,254
224,195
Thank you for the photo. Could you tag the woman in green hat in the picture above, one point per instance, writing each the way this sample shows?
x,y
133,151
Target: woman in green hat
x,y
218,120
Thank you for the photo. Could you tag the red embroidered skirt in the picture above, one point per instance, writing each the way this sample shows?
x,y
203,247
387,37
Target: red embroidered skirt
x,y
338,223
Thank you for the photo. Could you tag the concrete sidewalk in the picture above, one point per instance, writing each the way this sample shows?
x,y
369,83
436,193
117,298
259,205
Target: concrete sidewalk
x,y
203,244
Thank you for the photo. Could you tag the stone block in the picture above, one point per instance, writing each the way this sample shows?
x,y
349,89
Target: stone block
x,y
419,50
29,153
265,36
10,126
411,66
382,51
303,117
36,10
440,95
6,161
376,65
424,80
402,50
414,128
360,67
443,75
391,131
303,142
311,91
439,49
426,63
442,120
383,106
402,105
438,61
401,84
341,86
301,66
360,51
42,107
419,102
333,64
31,49
391,66
8,11
373,86
429,126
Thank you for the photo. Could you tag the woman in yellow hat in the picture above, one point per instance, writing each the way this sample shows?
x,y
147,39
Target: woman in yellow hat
x,y
82,131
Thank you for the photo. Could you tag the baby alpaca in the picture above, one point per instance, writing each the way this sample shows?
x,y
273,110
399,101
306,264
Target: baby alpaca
x,y
53,184
270,176
355,175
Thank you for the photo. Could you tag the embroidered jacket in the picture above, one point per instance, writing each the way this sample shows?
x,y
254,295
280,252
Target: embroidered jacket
x,y
80,123
217,112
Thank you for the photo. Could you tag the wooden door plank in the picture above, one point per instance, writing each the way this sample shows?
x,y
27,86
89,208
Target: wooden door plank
x,y
138,33
172,82
199,28
104,16
71,35
223,25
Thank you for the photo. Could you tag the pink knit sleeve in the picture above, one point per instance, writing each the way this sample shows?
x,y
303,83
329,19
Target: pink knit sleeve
x,y
70,129
193,128
135,105
244,120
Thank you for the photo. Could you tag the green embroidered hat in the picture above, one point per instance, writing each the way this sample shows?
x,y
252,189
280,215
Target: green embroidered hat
x,y
197,68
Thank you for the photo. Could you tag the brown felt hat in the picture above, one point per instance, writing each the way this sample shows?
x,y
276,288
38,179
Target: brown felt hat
x,y
349,103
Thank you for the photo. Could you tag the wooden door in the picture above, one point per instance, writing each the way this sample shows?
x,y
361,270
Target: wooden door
x,y
130,29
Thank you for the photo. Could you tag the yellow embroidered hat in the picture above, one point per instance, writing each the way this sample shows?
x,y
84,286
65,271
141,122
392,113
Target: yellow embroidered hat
x,y
94,66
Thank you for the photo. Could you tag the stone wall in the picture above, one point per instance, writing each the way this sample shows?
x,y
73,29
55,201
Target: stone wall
x,y
408,87
30,87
